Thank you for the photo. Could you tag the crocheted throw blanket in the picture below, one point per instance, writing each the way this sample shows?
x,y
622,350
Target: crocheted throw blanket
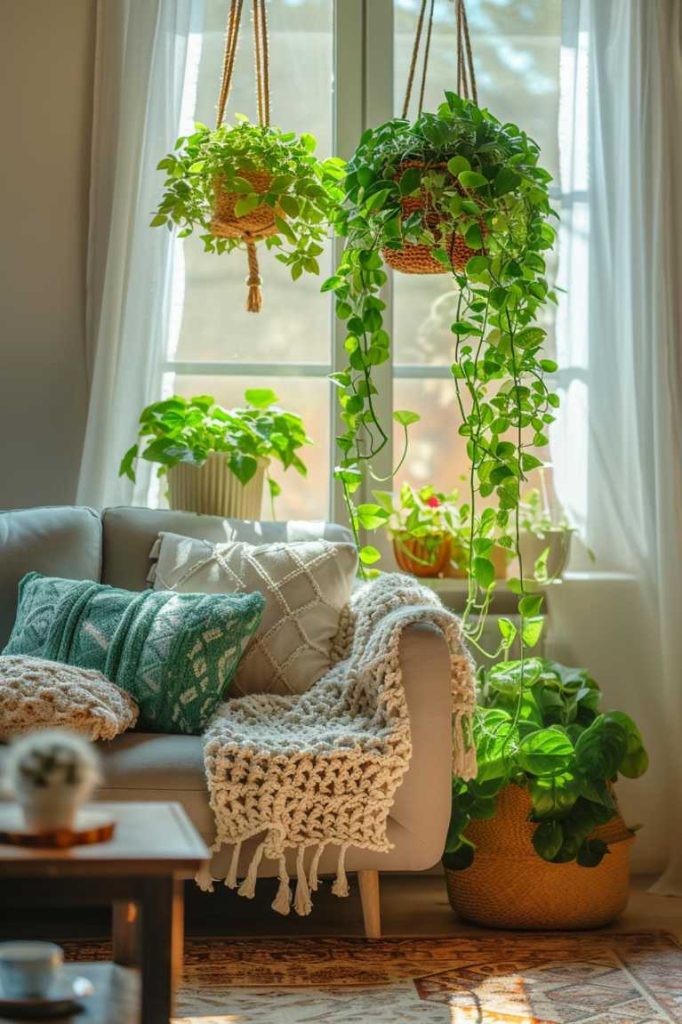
x,y
323,767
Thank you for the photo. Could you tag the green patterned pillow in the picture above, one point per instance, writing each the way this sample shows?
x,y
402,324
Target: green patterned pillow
x,y
176,654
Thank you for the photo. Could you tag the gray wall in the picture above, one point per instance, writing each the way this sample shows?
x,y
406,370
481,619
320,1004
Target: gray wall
x,y
46,67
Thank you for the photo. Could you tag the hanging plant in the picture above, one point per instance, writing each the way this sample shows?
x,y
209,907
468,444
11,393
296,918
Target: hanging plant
x,y
244,183
468,191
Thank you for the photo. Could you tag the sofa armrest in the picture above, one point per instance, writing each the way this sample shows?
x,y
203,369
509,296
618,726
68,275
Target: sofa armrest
x,y
422,803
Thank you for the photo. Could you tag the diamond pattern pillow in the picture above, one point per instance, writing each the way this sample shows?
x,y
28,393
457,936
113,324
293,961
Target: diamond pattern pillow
x,y
175,654
305,586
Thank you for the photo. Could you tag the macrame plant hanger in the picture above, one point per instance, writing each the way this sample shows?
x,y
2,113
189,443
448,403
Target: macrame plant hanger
x,y
262,73
466,78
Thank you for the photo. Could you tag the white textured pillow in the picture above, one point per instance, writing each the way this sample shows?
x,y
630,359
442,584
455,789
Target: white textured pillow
x,y
305,586
38,694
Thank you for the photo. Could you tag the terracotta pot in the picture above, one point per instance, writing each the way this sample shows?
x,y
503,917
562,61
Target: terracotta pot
x,y
214,489
417,259
559,544
259,223
420,559
510,886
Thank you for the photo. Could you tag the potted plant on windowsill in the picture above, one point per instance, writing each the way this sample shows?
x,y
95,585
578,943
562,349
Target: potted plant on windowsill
x,y
217,459
424,527
544,540
243,183
536,840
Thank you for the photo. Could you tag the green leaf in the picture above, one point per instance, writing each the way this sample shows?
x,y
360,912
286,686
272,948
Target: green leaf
x,y
548,839
371,516
477,265
591,853
260,398
507,631
471,179
406,418
530,605
369,555
545,752
484,572
158,220
506,180
473,237
601,748
532,630
127,466
410,181
457,164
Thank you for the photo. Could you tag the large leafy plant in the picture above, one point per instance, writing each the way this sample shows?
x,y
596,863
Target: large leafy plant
x,y
482,185
303,192
187,430
539,725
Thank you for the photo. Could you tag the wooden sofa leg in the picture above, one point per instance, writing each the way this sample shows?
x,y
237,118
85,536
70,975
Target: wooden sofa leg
x,y
371,905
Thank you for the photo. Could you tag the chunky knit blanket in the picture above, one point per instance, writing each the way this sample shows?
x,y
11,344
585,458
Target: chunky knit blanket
x,y
323,767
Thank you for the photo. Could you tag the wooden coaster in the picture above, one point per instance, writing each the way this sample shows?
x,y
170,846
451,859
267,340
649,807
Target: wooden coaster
x,y
90,828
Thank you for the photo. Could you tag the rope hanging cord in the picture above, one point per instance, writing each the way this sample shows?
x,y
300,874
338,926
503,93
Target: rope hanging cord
x,y
466,77
261,51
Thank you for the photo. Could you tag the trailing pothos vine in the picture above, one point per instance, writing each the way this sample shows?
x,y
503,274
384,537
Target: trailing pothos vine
x,y
470,193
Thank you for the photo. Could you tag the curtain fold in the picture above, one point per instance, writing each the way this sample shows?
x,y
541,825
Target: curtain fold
x,y
618,444
145,69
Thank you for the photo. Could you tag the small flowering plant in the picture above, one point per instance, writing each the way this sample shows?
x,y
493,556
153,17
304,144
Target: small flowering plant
x,y
424,515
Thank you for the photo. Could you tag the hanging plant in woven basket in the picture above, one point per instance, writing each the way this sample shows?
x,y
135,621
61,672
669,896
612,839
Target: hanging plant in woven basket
x,y
247,183
460,193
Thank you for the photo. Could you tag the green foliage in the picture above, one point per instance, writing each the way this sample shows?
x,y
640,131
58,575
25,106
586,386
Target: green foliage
x,y
481,181
304,188
188,430
539,725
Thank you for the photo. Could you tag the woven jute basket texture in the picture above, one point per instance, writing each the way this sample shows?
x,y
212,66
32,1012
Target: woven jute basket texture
x,y
417,259
510,886
214,490
411,555
259,223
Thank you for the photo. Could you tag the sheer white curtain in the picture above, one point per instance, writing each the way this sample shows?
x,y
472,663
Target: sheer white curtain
x,y
145,69
618,445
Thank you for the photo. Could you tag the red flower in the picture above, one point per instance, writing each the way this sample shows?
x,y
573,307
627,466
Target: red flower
x,y
433,501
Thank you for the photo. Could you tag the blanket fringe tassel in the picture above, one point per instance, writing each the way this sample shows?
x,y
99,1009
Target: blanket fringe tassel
x,y
313,881
340,886
463,748
302,901
231,877
248,886
282,901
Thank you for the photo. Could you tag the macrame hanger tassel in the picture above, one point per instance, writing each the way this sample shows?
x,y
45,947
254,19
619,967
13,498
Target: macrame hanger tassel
x,y
282,901
248,886
302,901
340,886
254,301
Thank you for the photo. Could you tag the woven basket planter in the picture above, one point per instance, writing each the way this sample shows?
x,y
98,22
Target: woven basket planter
x,y
510,886
259,223
420,559
417,259
214,490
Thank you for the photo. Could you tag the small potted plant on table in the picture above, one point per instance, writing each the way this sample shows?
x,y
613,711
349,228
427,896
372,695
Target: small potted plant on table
x,y
544,539
217,459
536,840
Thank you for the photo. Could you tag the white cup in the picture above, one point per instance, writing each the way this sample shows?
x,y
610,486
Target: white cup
x,y
28,969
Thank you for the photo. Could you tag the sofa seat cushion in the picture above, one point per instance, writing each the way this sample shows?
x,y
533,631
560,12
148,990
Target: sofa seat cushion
x,y
55,541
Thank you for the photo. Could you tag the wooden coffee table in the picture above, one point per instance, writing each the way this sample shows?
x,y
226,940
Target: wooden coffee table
x,y
140,871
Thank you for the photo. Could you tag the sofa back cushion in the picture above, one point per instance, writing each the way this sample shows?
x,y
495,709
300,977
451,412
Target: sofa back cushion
x,y
60,541
305,585
129,534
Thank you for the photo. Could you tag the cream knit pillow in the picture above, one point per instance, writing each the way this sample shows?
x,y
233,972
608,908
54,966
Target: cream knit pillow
x,y
305,586
38,694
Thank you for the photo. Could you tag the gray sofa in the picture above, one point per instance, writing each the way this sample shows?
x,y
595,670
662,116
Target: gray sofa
x,y
114,548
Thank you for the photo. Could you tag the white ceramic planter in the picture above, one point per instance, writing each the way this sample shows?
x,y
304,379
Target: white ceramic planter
x,y
559,544
214,490
53,808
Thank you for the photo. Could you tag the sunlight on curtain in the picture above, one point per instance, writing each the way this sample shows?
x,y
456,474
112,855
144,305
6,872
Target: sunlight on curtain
x,y
618,445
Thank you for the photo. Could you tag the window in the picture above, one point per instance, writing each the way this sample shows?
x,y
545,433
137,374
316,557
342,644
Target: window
x,y
317,72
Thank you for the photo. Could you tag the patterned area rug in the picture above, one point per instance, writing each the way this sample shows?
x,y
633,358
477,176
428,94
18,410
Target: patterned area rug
x,y
493,979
